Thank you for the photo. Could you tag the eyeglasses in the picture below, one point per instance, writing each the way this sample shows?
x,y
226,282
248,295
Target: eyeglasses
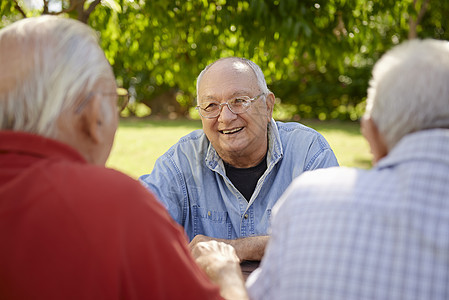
x,y
122,99
237,105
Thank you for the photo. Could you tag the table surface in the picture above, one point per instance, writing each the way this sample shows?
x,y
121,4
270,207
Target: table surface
x,y
248,266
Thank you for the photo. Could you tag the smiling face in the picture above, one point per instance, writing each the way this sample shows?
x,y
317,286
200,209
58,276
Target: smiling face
x,y
240,140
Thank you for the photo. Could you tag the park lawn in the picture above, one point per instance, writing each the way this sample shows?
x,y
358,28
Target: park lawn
x,y
139,142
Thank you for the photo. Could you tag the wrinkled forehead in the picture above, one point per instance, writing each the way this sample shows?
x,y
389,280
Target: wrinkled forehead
x,y
226,77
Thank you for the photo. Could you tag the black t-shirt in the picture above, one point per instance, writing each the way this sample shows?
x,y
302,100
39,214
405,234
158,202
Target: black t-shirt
x,y
245,179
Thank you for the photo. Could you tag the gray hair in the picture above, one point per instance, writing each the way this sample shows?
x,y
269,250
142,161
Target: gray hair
x,y
256,69
59,63
409,89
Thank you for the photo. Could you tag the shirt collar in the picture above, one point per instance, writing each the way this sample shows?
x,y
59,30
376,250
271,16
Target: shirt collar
x,y
36,145
275,150
432,144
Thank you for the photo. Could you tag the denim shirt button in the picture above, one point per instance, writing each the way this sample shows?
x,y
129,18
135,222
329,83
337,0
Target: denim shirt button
x,y
246,216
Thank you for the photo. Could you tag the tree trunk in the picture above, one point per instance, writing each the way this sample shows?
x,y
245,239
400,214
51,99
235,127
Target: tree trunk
x,y
165,105
412,34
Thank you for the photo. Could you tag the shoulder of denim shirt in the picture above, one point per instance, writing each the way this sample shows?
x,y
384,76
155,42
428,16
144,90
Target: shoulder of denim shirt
x,y
292,133
193,141
291,129
291,126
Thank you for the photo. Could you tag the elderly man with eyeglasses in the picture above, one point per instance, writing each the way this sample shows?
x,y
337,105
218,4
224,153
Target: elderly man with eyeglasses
x,y
221,182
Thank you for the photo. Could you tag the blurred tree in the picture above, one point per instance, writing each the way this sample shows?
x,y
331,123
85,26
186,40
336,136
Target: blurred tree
x,y
316,55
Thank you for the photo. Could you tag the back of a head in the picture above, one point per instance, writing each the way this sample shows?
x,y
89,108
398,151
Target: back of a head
x,y
47,65
409,90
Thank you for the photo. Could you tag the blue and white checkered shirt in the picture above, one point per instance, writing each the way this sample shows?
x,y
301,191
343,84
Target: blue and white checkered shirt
x,y
344,233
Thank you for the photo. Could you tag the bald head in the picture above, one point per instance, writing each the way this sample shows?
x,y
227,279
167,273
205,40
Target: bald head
x,y
47,64
238,65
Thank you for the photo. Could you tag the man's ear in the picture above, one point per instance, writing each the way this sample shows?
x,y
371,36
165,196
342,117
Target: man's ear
x,y
92,120
375,139
270,105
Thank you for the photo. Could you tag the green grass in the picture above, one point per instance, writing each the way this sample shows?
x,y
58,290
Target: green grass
x,y
139,142
350,147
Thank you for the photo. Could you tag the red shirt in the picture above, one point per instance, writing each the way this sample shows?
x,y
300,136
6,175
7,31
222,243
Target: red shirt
x,y
71,230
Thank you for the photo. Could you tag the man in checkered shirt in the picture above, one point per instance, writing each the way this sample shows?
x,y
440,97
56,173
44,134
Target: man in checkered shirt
x,y
344,233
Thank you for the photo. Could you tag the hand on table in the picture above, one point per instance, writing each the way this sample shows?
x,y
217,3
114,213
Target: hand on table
x,y
213,255
222,265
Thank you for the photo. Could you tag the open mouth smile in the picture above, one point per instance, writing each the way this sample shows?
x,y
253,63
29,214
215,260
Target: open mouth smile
x,y
231,131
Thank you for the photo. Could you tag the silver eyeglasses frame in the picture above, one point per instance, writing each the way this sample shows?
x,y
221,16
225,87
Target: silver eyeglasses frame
x,y
246,106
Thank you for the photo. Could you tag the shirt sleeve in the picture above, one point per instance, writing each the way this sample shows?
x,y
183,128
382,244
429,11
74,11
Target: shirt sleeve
x,y
155,258
166,183
325,159
320,155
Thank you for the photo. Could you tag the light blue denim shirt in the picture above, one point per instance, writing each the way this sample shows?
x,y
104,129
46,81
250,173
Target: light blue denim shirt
x,y
190,180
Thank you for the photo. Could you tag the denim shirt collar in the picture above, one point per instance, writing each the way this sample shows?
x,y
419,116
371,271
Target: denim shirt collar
x,y
275,152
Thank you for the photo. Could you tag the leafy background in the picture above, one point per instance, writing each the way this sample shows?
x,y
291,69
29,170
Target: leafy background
x,y
316,55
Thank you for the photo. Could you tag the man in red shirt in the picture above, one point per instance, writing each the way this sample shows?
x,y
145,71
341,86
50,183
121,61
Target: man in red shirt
x,y
69,227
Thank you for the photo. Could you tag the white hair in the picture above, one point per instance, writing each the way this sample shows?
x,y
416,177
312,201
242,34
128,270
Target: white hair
x,y
256,69
409,89
59,63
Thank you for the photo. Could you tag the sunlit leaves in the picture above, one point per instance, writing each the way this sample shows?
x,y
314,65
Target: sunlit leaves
x,y
316,54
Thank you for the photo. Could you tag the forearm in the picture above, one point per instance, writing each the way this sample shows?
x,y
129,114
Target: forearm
x,y
250,248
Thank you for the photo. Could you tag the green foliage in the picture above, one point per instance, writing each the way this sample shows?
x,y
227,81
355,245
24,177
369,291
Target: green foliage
x,y
316,55
9,13
136,109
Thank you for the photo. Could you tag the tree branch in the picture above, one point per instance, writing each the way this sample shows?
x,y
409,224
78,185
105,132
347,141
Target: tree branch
x,y
413,23
92,7
67,10
45,11
20,9
422,11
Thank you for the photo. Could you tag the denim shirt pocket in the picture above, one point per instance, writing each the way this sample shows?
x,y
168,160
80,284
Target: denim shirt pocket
x,y
211,223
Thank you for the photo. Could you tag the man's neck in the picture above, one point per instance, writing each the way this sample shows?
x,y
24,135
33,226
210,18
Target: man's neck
x,y
241,162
